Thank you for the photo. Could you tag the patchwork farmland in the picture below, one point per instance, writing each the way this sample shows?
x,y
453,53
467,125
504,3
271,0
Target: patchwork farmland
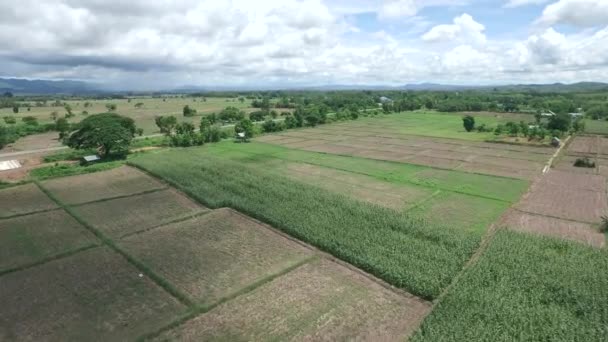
x,y
116,266
366,230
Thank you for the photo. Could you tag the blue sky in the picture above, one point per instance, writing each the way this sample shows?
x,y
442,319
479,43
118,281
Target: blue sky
x,y
280,43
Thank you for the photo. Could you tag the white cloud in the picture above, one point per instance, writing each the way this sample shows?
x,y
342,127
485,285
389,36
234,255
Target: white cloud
x,y
160,44
464,29
392,9
520,3
582,13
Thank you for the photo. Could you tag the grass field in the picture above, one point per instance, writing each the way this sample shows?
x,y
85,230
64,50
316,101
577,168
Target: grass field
x,y
143,116
406,252
596,126
526,289
436,124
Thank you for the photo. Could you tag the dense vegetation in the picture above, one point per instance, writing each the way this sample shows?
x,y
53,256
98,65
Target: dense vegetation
x,y
526,288
405,252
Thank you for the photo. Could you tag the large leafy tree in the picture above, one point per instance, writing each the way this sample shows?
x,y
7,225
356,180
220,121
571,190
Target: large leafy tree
x,y
468,122
108,133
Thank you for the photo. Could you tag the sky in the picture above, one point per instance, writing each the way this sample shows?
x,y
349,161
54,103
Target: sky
x,y
162,44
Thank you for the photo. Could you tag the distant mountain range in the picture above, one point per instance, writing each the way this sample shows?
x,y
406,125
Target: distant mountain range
x,y
44,87
67,87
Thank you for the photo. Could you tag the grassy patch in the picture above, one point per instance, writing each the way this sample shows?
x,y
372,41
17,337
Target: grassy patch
x,y
64,170
69,154
405,252
526,288
500,188
596,126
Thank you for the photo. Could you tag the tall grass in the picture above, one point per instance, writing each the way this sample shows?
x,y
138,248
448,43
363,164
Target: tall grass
x,y
407,253
526,288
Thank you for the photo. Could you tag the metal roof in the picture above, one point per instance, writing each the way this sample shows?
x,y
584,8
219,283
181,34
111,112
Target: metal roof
x,y
91,158
9,165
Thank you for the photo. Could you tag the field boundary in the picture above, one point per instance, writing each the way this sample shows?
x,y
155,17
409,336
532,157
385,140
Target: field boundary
x,y
51,258
177,220
30,213
145,192
181,297
198,310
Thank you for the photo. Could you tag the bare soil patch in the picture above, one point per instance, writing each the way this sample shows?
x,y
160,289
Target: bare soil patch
x,y
215,255
23,199
330,148
320,301
566,163
34,142
121,181
549,226
584,145
127,215
571,196
28,239
93,295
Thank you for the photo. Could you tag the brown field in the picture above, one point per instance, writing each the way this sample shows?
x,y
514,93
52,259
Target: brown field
x,y
23,199
122,181
319,301
215,255
126,215
34,142
56,285
543,225
359,187
360,140
28,239
93,295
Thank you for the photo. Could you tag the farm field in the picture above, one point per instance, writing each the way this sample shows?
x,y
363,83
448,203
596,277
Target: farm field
x,y
413,138
526,288
164,280
567,202
143,116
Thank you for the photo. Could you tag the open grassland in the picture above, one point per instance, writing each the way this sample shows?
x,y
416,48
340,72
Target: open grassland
x,y
318,301
25,240
143,116
499,188
95,294
118,182
386,138
526,289
127,215
23,199
437,124
596,127
405,252
207,257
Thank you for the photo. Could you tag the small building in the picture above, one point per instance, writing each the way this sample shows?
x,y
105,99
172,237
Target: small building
x,y
555,142
547,114
384,99
241,137
93,158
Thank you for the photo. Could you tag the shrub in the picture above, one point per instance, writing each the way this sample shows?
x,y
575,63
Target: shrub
x,y
30,120
10,120
584,162
468,122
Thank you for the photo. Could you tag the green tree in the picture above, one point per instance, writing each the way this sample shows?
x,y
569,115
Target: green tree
x,y
187,111
469,123
111,107
15,109
62,126
108,133
560,122
244,126
166,124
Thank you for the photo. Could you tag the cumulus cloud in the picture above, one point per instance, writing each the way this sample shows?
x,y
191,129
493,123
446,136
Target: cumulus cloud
x,y
464,28
159,44
582,13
